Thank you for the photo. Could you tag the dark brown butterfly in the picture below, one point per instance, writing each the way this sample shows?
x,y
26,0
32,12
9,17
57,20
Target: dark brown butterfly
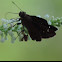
x,y
38,28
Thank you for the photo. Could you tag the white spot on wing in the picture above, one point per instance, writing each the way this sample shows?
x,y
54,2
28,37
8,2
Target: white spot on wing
x,y
48,30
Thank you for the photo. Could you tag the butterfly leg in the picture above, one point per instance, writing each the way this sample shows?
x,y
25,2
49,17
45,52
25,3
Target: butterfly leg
x,y
17,23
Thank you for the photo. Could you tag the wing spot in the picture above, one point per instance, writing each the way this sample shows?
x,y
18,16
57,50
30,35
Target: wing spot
x,y
48,30
41,23
49,26
43,31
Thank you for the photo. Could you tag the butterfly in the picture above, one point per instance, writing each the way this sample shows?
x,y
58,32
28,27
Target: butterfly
x,y
38,28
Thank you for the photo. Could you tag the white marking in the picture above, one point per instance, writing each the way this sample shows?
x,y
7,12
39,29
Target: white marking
x,y
48,30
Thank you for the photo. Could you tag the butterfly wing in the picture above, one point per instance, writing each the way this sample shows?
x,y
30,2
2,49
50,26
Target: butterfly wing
x,y
34,33
32,28
45,30
38,28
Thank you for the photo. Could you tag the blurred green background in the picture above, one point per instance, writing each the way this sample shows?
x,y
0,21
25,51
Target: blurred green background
x,y
48,49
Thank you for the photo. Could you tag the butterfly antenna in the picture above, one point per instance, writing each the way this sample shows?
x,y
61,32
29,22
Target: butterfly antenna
x,y
12,13
9,13
16,5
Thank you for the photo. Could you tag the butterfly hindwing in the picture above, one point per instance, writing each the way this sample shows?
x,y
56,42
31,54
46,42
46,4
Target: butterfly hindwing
x,y
45,30
53,28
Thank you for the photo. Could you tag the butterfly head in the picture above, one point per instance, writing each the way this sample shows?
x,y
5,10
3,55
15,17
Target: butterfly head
x,y
22,14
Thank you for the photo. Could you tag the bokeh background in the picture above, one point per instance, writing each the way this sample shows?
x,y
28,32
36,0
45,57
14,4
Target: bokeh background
x,y
48,49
